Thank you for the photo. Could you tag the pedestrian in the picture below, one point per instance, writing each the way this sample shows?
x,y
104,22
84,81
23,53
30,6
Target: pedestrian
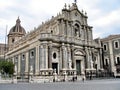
x,y
73,79
83,79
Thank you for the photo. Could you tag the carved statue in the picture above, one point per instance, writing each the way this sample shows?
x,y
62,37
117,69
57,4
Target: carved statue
x,y
31,68
91,63
15,68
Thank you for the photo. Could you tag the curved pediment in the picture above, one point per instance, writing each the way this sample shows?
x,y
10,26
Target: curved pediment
x,y
79,53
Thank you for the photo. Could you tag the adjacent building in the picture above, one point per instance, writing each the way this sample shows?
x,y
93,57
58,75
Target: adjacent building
x,y
3,50
111,54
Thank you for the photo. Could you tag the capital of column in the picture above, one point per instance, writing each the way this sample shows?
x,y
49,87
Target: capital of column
x,y
50,46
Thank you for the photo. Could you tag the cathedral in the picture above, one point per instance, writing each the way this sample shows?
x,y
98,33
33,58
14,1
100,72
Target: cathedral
x,y
63,45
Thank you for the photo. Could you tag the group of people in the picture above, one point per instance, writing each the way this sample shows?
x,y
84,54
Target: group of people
x,y
75,79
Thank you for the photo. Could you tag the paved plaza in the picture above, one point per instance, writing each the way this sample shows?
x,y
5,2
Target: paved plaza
x,y
108,84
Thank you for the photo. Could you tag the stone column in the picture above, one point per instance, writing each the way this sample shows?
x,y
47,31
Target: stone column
x,y
64,57
43,59
111,59
26,64
72,57
50,56
87,58
69,61
82,67
19,64
100,58
15,66
37,60
45,56
41,62
90,58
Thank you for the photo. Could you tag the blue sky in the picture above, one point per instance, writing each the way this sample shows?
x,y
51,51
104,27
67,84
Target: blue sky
x,y
103,15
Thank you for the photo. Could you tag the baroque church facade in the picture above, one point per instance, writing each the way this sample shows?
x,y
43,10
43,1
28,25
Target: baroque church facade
x,y
63,45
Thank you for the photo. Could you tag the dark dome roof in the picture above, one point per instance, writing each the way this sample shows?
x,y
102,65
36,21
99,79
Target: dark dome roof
x,y
17,28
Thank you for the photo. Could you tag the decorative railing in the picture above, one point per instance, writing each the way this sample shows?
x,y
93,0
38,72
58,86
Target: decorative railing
x,y
59,38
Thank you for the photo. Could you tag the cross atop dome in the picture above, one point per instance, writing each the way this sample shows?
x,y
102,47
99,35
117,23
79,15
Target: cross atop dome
x,y
75,1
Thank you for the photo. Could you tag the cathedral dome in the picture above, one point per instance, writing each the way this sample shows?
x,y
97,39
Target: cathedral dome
x,y
17,28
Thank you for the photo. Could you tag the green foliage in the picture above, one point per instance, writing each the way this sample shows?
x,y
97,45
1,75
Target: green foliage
x,y
6,67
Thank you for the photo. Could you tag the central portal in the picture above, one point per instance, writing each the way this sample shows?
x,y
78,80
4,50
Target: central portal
x,y
78,67
55,66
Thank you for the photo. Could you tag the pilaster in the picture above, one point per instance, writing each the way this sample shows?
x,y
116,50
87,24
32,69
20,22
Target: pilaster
x,y
100,58
64,57
50,56
69,57
26,64
72,56
41,62
111,60
19,64
37,60
87,58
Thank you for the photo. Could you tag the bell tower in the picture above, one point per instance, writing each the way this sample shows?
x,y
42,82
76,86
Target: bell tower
x,y
15,33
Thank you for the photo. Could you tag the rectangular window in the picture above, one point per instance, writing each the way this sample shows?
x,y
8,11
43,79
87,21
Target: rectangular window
x,y
106,62
116,44
118,60
105,47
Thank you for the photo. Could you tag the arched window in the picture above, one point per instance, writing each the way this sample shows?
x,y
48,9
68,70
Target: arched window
x,y
23,57
116,44
105,47
51,31
118,60
77,30
54,55
32,54
13,40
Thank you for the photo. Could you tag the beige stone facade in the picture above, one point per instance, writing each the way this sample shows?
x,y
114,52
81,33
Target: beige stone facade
x,y
63,45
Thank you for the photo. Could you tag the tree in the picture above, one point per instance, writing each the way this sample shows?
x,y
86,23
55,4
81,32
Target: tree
x,y
6,67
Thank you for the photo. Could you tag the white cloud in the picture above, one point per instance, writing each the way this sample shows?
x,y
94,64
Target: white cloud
x,y
33,12
108,20
106,24
4,4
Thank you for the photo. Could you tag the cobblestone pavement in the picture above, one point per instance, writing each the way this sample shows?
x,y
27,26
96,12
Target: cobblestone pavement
x,y
108,84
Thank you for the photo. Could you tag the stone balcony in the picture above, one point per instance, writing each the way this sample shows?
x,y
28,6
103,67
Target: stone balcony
x,y
62,38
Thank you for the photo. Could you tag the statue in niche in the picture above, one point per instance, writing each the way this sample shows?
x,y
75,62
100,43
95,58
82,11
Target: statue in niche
x,y
91,63
77,30
31,68
15,69
77,34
